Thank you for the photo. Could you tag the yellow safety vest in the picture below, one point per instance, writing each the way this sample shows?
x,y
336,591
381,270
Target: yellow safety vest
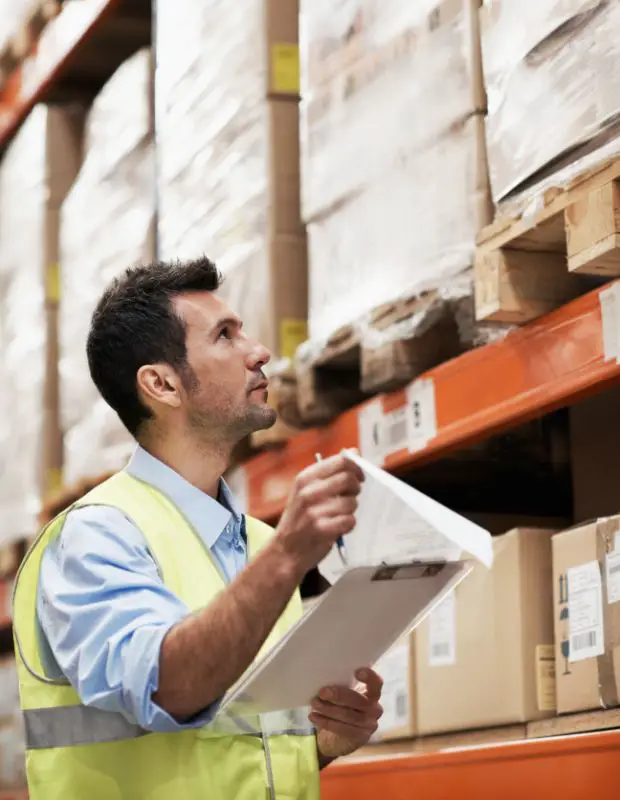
x,y
75,752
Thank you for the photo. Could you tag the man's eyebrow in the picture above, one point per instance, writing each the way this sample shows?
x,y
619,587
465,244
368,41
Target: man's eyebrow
x,y
235,321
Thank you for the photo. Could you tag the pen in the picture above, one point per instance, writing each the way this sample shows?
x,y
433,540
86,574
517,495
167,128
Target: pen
x,y
340,540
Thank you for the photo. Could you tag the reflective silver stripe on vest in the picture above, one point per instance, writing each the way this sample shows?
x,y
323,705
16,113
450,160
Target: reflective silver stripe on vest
x,y
67,726
70,726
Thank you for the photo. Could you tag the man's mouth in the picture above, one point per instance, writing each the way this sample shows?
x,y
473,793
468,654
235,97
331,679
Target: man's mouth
x,y
262,386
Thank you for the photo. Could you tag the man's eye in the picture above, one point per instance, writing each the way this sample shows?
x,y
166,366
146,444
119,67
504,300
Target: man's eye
x,y
224,333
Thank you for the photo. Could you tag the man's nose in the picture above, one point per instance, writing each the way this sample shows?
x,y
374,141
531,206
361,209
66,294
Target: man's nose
x,y
258,356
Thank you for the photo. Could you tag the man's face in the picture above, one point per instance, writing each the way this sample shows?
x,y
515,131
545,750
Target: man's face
x,y
227,393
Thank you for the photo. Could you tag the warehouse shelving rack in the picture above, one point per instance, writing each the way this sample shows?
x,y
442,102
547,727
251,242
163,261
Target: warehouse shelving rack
x,y
551,362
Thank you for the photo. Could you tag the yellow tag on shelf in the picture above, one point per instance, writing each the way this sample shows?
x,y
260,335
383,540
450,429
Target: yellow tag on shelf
x,y
292,333
52,283
285,68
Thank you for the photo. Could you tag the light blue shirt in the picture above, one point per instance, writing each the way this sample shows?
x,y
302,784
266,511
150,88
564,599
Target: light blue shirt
x,y
103,610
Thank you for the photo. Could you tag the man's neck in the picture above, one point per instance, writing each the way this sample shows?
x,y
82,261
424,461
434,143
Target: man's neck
x,y
200,464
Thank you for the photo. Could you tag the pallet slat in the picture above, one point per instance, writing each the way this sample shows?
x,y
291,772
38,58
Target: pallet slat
x,y
527,267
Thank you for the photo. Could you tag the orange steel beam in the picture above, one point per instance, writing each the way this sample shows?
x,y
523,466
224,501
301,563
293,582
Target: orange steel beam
x,y
545,365
570,768
15,105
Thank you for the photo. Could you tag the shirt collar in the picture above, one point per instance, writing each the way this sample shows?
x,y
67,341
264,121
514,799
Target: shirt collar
x,y
208,516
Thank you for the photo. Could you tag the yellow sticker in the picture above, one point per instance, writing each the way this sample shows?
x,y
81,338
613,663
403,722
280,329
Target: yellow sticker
x,y
53,481
545,677
52,283
285,68
293,332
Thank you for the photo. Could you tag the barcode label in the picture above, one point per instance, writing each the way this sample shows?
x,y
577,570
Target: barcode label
x,y
581,641
585,612
442,633
440,650
396,430
370,420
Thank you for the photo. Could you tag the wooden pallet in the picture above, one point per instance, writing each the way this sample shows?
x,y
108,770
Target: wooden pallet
x,y
382,355
527,267
23,41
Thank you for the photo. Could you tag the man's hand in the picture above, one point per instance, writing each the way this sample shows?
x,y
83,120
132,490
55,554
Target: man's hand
x,y
320,509
345,718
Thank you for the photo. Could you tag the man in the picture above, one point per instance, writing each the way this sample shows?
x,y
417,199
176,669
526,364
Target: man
x,y
138,609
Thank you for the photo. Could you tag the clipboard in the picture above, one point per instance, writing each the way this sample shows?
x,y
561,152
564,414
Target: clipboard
x,y
366,611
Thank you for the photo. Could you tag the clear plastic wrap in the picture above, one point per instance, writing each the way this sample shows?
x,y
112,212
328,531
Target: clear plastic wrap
x,y
412,230
118,179
98,443
37,170
372,76
211,126
228,151
552,81
13,13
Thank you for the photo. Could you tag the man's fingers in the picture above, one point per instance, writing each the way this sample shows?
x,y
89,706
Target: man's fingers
x,y
341,485
336,526
344,729
343,696
334,507
331,466
374,683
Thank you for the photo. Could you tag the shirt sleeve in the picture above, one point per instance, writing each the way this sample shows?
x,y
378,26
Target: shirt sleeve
x,y
104,611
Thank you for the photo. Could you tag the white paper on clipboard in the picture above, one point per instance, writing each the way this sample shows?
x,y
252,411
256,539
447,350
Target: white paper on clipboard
x,y
396,523
355,623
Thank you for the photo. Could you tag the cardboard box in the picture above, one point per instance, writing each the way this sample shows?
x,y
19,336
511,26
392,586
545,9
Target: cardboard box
x,y
267,288
586,590
548,69
377,61
484,657
117,178
39,168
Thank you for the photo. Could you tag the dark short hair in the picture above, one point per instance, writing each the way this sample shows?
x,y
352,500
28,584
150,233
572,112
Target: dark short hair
x,y
135,324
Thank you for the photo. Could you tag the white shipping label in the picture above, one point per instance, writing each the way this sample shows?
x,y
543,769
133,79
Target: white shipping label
x,y
609,299
395,431
585,612
442,633
393,667
370,424
422,414
612,568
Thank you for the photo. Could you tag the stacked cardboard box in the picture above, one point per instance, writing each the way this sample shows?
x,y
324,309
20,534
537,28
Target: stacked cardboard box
x,y
117,182
549,68
394,183
485,656
36,174
586,587
228,155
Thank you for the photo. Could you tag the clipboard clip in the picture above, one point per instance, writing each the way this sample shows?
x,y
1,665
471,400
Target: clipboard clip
x,y
408,571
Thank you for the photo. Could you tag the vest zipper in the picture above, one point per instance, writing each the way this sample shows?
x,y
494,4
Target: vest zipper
x,y
265,740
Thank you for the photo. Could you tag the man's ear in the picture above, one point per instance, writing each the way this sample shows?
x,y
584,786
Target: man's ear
x,y
159,383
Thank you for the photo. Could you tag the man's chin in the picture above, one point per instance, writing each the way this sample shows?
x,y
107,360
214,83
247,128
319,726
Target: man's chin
x,y
262,417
